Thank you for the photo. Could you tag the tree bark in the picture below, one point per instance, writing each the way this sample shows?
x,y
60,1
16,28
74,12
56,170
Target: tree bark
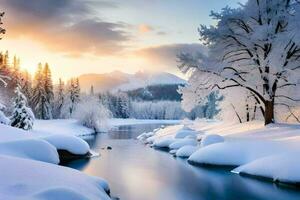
x,y
269,112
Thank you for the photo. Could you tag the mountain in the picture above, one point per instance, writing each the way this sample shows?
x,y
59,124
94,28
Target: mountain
x,y
117,80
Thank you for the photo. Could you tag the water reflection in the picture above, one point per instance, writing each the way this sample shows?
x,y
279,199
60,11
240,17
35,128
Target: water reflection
x,y
136,172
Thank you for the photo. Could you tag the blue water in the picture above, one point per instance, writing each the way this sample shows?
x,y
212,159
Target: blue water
x,y
137,172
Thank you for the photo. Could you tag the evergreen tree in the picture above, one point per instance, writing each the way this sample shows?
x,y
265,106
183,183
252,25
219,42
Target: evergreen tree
x,y
42,107
59,99
74,94
3,118
92,93
16,75
22,116
26,85
48,84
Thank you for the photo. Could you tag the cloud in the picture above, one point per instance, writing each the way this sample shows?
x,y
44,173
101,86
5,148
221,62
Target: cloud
x,y
161,33
166,55
144,28
67,26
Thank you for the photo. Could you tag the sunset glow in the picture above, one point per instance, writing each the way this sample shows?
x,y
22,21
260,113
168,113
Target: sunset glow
x,y
102,36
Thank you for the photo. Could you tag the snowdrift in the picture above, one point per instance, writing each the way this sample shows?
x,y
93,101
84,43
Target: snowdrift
x,y
251,148
29,170
29,179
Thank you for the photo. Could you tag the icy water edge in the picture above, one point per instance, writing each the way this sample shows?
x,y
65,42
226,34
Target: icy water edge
x,y
136,172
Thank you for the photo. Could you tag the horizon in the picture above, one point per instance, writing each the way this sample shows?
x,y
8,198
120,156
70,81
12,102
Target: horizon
x,y
103,36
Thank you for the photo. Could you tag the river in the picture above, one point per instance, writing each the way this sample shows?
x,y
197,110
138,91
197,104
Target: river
x,y
136,172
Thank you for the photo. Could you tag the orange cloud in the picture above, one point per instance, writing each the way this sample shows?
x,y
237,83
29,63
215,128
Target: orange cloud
x,y
144,28
65,26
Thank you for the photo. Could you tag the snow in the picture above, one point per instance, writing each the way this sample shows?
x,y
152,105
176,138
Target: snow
x,y
283,167
20,143
28,179
183,142
28,149
211,139
186,151
74,144
61,126
269,151
29,170
164,142
185,133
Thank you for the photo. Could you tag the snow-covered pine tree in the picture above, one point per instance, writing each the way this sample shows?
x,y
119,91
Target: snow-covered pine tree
x,y
48,85
3,118
22,116
74,95
15,72
3,76
92,93
26,85
59,99
123,105
41,106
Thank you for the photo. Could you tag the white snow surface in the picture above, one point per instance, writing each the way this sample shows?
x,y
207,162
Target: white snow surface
x,y
61,126
28,179
28,168
186,151
183,142
70,143
256,150
269,151
282,167
19,143
211,139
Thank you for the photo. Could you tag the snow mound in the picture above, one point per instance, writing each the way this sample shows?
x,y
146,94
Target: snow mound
x,y
164,142
29,179
237,152
173,151
70,143
211,139
185,133
34,149
284,167
61,126
146,135
186,151
182,142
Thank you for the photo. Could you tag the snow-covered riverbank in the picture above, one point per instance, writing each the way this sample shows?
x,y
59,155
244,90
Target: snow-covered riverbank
x,y
255,150
28,166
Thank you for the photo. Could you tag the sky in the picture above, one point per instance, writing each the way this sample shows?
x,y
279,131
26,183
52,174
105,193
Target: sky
x,y
98,36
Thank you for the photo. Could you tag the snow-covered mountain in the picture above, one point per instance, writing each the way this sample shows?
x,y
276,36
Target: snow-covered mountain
x,y
117,80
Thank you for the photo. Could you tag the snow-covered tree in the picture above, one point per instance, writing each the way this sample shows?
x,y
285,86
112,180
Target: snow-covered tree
x,y
22,116
48,84
3,119
59,99
26,85
91,113
123,105
255,47
15,72
73,97
3,77
92,93
41,105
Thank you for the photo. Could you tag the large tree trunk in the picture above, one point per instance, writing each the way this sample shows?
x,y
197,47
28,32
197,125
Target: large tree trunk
x,y
269,112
